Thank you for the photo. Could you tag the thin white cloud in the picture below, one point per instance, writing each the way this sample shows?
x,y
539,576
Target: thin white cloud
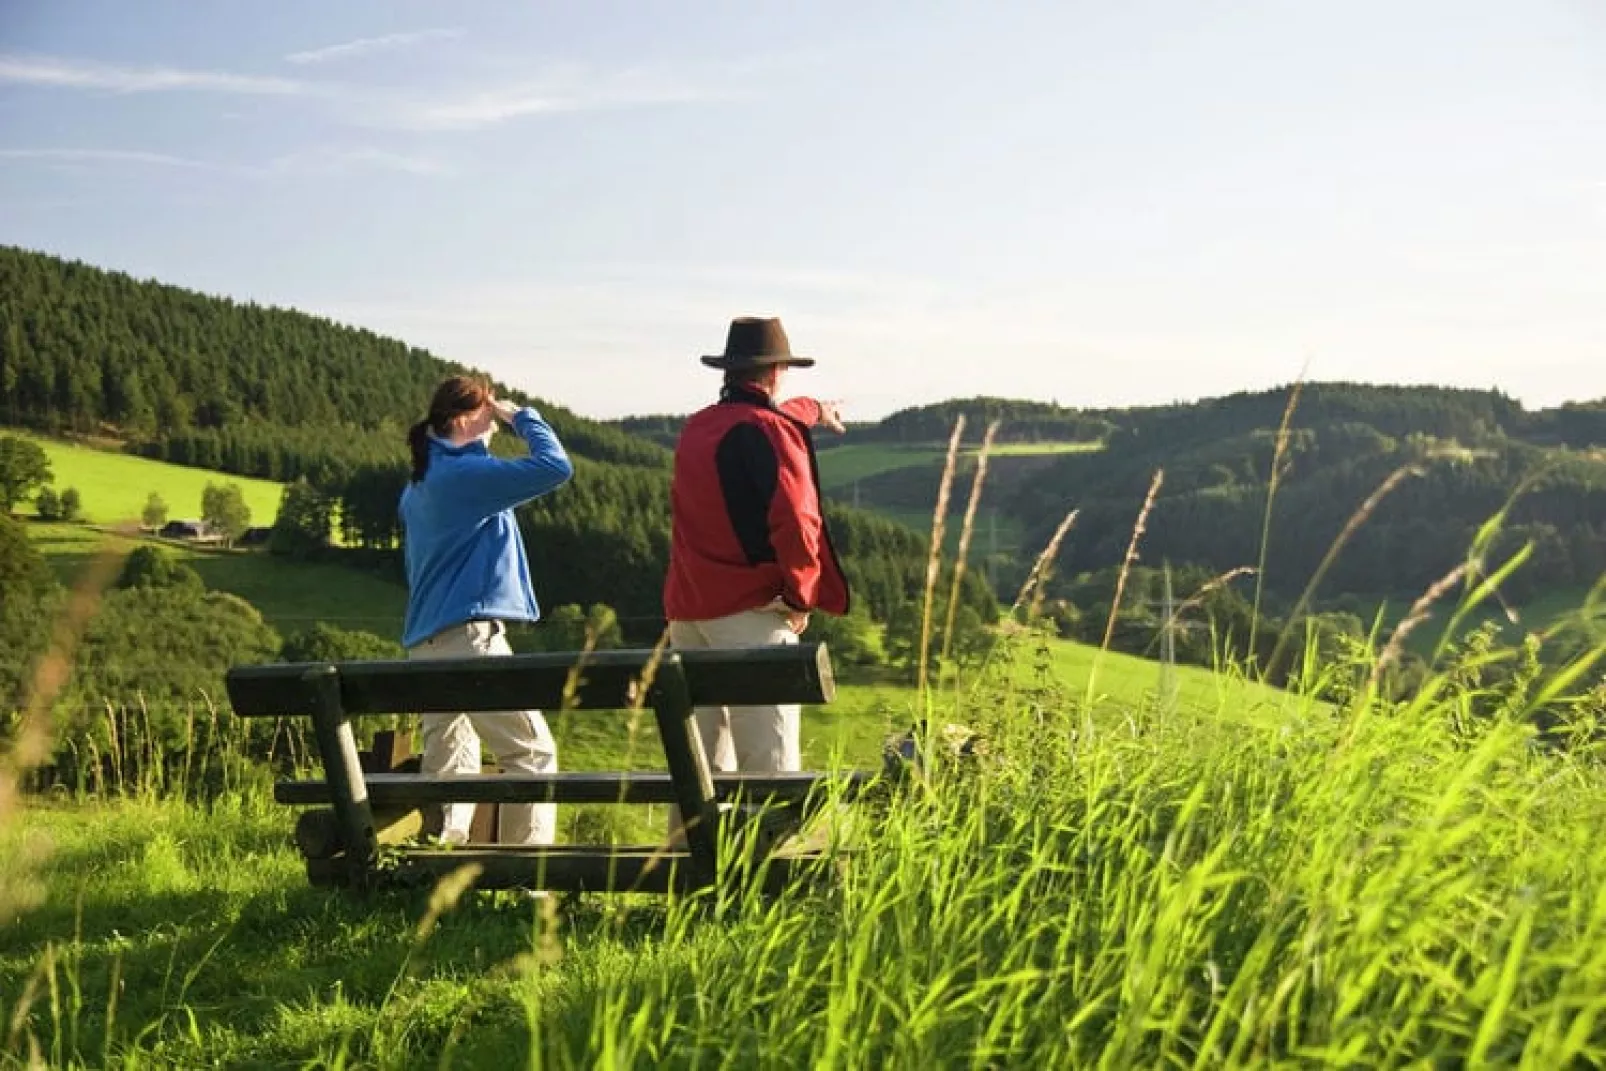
x,y
77,74
557,90
562,90
343,160
365,46
106,156
319,160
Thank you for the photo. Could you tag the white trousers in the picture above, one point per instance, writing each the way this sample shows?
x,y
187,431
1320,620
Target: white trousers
x,y
756,739
519,739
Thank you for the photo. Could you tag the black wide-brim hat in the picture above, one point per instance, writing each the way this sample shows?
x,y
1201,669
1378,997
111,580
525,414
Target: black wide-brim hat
x,y
755,342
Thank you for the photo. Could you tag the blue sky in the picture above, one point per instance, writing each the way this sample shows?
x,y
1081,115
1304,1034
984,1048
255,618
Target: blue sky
x,y
1091,203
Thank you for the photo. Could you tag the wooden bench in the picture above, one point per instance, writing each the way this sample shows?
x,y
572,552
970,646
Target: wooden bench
x,y
342,845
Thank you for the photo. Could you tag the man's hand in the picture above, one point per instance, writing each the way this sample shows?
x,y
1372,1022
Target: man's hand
x,y
796,620
831,417
504,410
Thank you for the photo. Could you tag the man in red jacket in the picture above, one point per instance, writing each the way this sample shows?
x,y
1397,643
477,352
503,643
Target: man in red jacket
x,y
750,556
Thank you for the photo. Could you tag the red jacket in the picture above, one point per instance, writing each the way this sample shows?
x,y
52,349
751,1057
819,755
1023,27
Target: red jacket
x,y
746,525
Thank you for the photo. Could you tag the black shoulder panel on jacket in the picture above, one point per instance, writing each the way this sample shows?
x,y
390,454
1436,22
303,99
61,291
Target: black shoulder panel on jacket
x,y
748,473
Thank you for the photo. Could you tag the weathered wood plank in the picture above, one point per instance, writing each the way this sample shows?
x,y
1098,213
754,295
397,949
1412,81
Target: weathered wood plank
x,y
407,790
603,680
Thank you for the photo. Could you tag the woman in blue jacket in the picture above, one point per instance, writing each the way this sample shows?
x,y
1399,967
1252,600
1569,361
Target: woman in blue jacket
x,y
467,575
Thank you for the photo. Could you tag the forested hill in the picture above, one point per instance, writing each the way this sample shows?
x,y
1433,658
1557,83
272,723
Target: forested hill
x,y
212,383
209,381
1466,452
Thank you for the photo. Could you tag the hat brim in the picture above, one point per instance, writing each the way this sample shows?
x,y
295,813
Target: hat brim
x,y
729,363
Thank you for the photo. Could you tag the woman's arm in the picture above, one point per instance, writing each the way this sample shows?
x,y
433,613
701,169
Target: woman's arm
x,y
488,485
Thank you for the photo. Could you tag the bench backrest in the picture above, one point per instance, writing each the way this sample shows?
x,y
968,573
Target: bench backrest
x,y
600,680
671,683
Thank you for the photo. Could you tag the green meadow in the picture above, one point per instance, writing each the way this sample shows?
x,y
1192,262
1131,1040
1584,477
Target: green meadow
x,y
115,486
841,466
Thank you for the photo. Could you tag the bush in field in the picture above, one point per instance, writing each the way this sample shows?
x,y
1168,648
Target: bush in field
x,y
851,637
72,504
47,504
152,567
568,627
327,643
972,638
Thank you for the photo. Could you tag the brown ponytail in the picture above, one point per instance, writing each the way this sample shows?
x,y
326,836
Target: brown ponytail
x,y
453,398
418,443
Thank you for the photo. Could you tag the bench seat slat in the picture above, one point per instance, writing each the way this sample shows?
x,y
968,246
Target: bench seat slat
x,y
606,680
412,790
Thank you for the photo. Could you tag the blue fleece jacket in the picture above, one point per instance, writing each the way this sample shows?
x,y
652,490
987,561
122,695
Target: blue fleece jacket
x,y
465,557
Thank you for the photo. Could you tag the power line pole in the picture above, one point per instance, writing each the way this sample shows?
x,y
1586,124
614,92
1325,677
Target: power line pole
x,y
1168,648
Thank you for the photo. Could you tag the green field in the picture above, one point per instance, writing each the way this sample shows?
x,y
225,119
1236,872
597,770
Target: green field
x,y
840,466
290,595
115,486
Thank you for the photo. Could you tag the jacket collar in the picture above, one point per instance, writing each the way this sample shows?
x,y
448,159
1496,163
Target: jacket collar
x,y
473,446
745,396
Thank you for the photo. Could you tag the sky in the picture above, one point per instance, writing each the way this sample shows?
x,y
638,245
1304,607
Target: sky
x,y
1090,203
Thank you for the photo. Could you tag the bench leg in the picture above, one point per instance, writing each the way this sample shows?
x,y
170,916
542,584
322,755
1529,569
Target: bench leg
x,y
348,791
688,766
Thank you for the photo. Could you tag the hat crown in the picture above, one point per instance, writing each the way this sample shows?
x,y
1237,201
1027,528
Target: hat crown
x,y
757,336
754,341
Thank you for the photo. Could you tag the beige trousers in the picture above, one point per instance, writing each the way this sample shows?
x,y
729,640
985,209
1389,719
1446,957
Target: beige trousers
x,y
519,739
761,739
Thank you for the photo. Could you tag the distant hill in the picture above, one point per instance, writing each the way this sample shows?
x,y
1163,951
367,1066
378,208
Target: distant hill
x,y
1475,447
1468,453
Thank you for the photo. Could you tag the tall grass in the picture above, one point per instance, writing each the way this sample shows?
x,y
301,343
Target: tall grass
x,y
1351,883
1190,888
939,521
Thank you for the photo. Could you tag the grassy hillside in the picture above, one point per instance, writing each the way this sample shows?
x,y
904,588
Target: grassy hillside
x,y
842,466
1210,886
290,595
115,486
1545,610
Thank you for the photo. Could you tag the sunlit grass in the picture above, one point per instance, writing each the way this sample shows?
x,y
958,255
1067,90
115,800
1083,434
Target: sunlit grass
x,y
1369,887
114,486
